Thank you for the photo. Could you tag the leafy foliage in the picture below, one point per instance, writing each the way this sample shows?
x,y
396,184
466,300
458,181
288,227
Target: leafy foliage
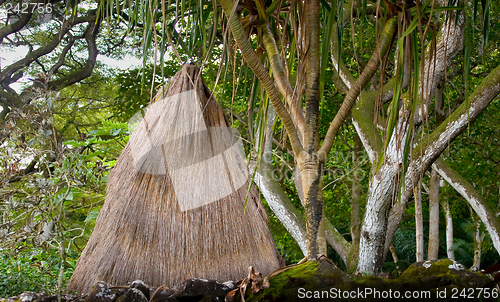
x,y
29,268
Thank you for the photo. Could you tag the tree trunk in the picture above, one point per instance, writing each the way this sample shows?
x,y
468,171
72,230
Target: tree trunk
x,y
478,241
433,248
382,193
449,230
419,223
373,245
311,170
374,226
476,201
355,224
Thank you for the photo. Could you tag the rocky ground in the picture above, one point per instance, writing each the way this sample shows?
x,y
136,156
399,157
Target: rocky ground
x,y
442,280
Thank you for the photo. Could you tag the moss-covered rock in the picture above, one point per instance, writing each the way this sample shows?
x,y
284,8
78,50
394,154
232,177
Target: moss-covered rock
x,y
443,273
323,281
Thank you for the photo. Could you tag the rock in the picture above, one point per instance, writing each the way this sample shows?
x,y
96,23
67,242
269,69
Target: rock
x,y
163,295
138,284
212,299
38,297
72,298
132,295
29,296
231,285
200,288
445,272
104,292
44,298
25,297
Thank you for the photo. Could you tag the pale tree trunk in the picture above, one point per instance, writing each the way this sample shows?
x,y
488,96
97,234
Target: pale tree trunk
x,y
433,248
374,227
449,230
381,195
281,206
476,201
434,183
419,223
375,241
478,242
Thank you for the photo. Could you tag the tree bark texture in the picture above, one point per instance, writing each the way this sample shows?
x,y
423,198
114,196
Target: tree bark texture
x,y
419,222
449,230
433,247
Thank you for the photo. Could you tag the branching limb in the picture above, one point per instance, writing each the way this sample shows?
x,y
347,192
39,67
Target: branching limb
x,y
62,57
262,74
436,142
47,48
15,27
10,99
281,80
449,44
277,68
86,70
312,68
349,101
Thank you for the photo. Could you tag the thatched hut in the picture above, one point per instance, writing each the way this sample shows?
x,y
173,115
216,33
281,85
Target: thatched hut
x,y
174,208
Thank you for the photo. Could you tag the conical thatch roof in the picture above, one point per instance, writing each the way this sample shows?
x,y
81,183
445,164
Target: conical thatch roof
x,y
175,200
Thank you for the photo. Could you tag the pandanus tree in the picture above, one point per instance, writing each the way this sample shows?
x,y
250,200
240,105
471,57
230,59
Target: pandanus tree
x,y
388,59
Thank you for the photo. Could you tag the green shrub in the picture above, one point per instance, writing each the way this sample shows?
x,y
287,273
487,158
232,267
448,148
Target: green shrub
x,y
29,268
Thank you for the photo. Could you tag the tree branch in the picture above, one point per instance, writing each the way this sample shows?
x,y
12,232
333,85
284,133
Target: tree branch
x,y
473,197
349,101
10,99
281,80
431,147
62,57
47,48
312,44
85,71
253,62
15,27
450,42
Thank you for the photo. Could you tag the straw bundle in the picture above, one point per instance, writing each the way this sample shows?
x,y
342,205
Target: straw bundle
x,y
160,222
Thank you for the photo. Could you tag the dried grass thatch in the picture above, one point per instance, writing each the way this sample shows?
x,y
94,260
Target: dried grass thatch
x,y
144,232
